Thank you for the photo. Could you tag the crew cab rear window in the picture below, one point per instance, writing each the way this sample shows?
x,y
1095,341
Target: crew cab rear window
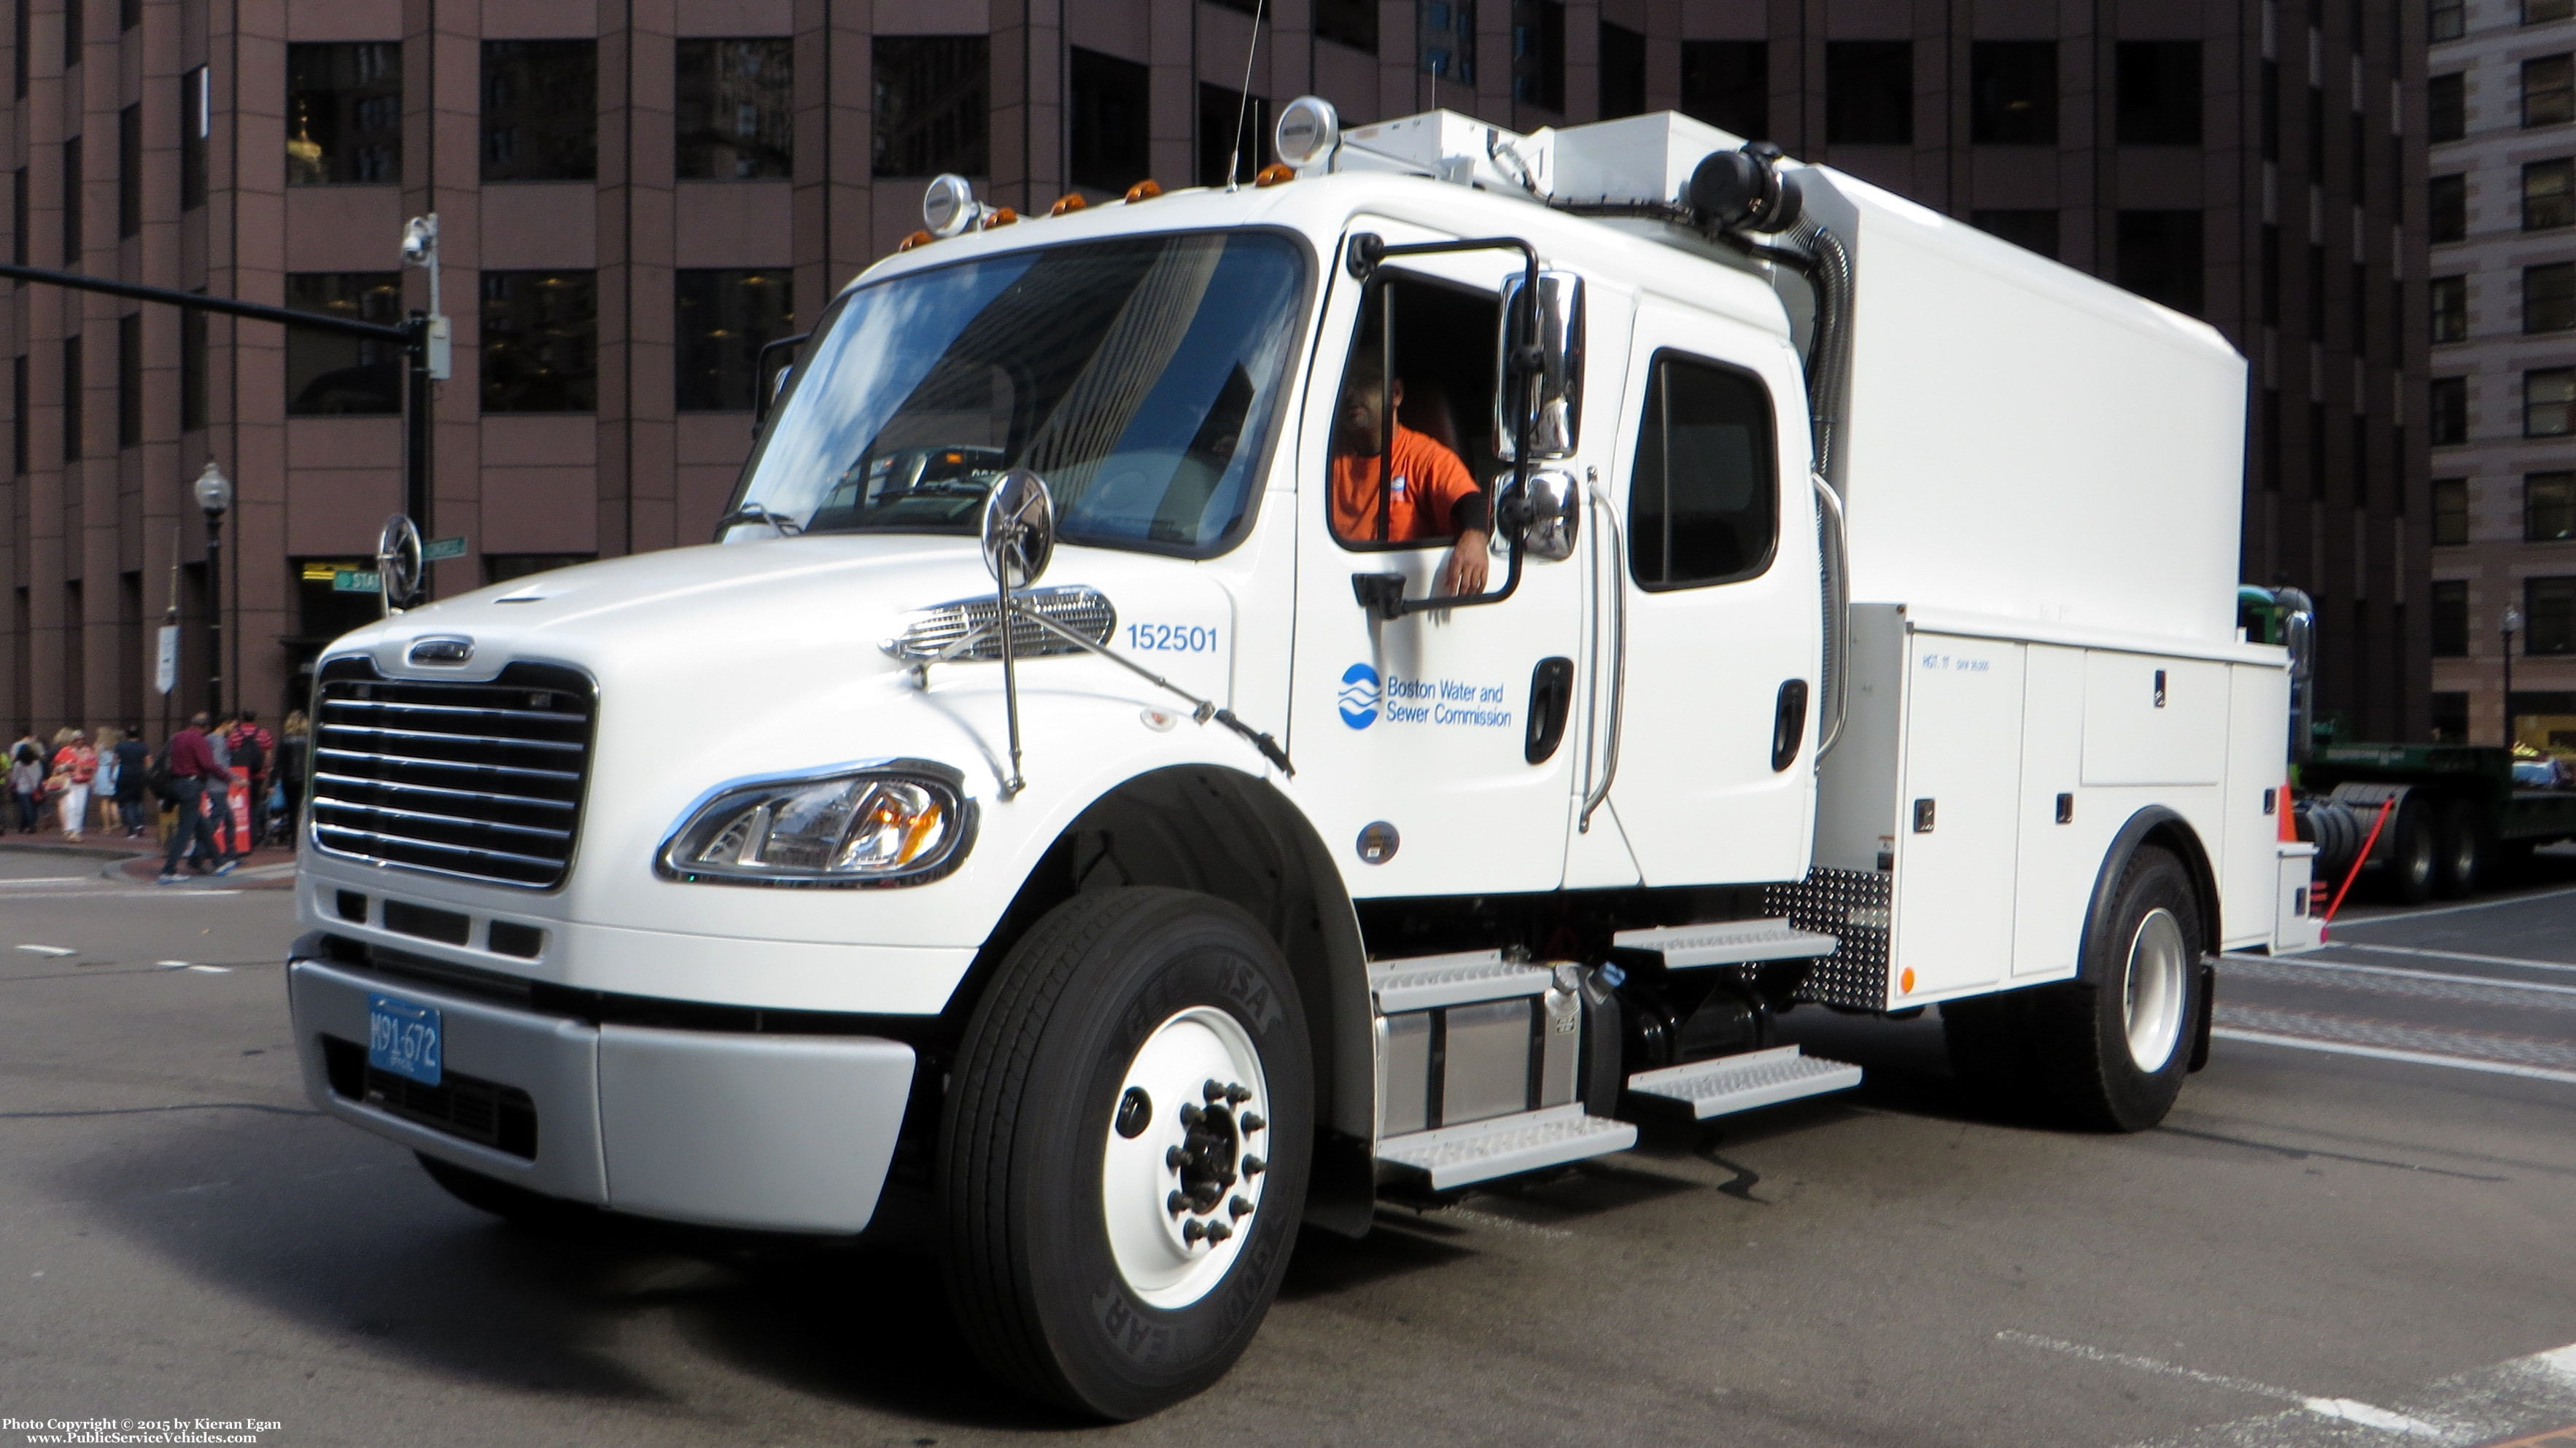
x,y
1703,501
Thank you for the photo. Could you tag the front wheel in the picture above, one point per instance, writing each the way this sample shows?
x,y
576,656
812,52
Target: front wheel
x,y
1122,1160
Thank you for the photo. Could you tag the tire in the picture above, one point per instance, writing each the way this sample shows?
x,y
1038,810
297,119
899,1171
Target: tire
x,y
2108,1051
2413,863
516,1205
2460,851
1070,1269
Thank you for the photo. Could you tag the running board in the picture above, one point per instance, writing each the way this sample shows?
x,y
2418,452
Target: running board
x,y
1741,1083
1735,942
1455,1156
1430,981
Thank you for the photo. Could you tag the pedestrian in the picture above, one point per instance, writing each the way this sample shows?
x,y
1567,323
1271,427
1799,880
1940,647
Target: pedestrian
x,y
222,843
133,767
102,788
26,780
251,750
193,768
294,749
76,767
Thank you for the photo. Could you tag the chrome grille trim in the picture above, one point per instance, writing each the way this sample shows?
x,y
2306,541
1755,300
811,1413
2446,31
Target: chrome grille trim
x,y
475,781
926,635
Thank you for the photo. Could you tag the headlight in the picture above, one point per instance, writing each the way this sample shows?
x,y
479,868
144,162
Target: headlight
x,y
903,823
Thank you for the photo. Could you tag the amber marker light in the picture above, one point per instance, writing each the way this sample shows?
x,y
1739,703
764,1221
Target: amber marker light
x,y
1145,190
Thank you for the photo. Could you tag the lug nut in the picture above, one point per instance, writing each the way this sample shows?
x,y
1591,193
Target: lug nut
x,y
1175,1158
1190,1114
1213,1092
1217,1232
1254,1121
1193,1229
1177,1203
1237,1094
1239,1207
1253,1166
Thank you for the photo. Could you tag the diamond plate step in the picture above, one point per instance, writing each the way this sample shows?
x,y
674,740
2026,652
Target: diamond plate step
x,y
1454,1156
1736,942
1452,980
1740,1083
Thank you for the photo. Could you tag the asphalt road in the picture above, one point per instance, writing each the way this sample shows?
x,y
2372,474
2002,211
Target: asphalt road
x,y
2358,1228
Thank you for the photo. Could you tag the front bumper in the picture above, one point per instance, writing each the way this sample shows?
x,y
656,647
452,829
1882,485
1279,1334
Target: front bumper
x,y
730,1129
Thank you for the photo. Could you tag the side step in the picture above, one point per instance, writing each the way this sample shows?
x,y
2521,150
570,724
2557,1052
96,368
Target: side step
x,y
1426,982
1740,1083
1734,942
1454,1156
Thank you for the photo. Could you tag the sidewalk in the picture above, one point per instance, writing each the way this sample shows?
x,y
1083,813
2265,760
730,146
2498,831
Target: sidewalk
x,y
270,867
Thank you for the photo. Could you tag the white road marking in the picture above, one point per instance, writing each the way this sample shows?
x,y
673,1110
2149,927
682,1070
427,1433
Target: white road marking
x,y
2416,950
213,969
2286,968
2396,916
2516,1401
2384,1053
171,964
48,950
44,880
2343,1410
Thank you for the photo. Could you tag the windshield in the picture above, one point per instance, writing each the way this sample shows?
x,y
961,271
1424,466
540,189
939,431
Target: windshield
x,y
1138,376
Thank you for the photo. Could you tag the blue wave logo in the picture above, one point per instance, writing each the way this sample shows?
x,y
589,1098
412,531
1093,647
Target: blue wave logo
x,y
1359,696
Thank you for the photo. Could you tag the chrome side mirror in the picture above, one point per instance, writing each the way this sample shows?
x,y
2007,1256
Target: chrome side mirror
x,y
1550,518
1539,364
398,564
1019,528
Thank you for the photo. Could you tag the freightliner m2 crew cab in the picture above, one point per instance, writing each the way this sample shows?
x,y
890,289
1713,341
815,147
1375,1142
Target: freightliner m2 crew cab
x,y
1855,630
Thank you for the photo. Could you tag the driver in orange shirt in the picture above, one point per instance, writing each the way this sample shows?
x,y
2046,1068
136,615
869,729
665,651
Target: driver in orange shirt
x,y
1433,496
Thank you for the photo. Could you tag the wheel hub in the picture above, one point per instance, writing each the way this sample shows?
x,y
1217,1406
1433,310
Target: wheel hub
x,y
2153,993
1182,1170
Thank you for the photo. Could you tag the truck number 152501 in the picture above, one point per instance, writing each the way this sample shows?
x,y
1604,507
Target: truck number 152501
x,y
1171,638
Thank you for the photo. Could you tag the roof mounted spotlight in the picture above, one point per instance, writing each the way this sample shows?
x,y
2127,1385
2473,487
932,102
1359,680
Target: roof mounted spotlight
x,y
1746,190
1308,130
949,207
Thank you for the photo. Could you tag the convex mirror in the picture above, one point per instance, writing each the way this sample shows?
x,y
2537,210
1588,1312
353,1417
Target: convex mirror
x,y
1019,528
1546,380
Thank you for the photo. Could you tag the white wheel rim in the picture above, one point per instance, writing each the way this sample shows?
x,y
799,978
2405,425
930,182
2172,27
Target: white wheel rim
x,y
1172,1258
2158,958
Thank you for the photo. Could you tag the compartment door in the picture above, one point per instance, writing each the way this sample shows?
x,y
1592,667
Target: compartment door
x,y
1957,827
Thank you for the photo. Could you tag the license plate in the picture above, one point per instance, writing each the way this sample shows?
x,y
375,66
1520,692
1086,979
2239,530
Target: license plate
x,y
404,1039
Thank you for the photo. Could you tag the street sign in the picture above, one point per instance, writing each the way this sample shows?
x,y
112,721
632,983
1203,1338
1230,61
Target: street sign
x,y
355,580
438,548
165,668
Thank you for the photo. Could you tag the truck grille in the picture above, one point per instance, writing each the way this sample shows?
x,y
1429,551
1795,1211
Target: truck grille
x,y
482,781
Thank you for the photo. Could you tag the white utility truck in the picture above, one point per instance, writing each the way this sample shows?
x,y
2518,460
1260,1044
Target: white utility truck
x,y
1840,614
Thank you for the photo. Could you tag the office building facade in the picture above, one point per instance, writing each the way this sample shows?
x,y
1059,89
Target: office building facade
x,y
633,200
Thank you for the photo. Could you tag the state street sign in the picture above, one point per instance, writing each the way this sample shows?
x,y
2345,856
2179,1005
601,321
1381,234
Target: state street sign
x,y
355,580
438,548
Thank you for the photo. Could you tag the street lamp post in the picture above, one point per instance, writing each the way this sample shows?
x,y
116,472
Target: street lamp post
x,y
2512,626
214,493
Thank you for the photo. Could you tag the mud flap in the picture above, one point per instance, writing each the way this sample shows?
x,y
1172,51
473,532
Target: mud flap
x,y
2208,1009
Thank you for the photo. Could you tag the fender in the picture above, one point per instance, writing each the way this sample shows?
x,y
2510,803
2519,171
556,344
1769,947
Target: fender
x,y
2158,825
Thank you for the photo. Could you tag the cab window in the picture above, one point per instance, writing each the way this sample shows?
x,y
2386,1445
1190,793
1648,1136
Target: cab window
x,y
1703,504
1443,342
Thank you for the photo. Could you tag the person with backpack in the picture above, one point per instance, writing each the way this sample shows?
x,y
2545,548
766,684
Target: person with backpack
x,y
26,780
190,760
133,769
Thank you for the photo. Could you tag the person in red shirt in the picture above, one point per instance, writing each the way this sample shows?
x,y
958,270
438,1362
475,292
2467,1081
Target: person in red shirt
x,y
1433,497
192,770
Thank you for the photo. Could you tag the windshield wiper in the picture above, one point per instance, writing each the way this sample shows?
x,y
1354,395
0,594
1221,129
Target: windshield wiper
x,y
754,513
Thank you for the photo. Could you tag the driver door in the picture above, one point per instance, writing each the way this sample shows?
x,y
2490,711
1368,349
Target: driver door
x,y
1413,737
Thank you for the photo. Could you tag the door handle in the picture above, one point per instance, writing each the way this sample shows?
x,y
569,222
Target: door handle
x,y
1788,724
1551,700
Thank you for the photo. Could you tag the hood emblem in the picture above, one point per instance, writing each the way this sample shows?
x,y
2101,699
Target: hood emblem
x,y
447,649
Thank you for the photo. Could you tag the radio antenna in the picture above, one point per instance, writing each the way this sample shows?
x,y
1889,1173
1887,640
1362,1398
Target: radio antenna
x,y
1243,98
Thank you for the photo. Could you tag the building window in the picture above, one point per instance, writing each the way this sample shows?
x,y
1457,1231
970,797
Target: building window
x,y
18,50
129,380
2447,18
129,171
931,95
2268,282
19,214
192,369
2547,393
1111,146
540,341
2549,615
2012,92
2317,451
2536,11
196,125
2317,292
2446,207
2446,107
734,110
344,113
1232,131
2450,618
1727,83
18,402
1538,53
1348,22
1623,72
2548,91
2548,195
72,388
540,110
73,183
721,321
1449,40
2450,718
2448,409
2548,507
2034,231
2159,257
2450,512
328,374
2448,298
2269,104
72,39
1869,92
2549,297
2158,101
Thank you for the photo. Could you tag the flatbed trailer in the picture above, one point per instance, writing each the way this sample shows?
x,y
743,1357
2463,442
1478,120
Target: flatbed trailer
x,y
2454,813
